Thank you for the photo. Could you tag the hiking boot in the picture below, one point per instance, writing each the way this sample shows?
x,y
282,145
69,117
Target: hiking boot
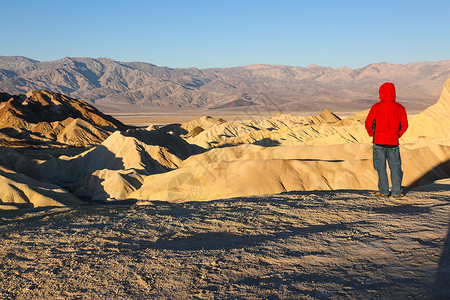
x,y
399,196
378,194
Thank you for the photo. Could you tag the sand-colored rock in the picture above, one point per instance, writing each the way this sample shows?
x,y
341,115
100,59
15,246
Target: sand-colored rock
x,y
105,184
116,167
60,106
47,118
432,123
223,173
210,158
19,191
19,163
279,129
204,123
340,159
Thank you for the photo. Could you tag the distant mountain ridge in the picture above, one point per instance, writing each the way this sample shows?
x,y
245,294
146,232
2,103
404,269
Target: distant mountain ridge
x,y
139,86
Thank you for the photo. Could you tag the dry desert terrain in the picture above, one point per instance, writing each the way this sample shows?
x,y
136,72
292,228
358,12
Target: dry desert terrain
x,y
276,207
343,244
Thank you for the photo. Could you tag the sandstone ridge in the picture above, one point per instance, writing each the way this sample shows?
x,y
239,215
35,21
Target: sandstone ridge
x,y
43,118
212,158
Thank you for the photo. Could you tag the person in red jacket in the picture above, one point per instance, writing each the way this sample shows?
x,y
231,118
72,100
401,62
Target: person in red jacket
x,y
387,122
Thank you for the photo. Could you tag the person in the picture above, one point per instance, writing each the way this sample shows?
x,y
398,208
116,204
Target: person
x,y
386,123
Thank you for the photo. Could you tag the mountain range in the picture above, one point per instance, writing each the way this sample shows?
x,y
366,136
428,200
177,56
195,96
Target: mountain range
x,y
116,86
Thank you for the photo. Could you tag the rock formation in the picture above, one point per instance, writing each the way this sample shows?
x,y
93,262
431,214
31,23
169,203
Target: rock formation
x,y
432,123
211,158
20,191
47,118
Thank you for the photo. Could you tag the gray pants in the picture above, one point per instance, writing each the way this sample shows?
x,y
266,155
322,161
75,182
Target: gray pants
x,y
392,155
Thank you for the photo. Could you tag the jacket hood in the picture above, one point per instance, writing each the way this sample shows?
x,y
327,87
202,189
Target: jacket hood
x,y
387,92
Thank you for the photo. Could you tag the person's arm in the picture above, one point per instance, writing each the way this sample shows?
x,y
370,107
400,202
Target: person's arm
x,y
369,121
403,123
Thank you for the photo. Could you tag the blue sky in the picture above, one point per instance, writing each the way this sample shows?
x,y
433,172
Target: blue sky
x,y
229,33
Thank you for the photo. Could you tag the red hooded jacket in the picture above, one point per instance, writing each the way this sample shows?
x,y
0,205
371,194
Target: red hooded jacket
x,y
387,120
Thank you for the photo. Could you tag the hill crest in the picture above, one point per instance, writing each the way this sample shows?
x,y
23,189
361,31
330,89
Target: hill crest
x,y
41,117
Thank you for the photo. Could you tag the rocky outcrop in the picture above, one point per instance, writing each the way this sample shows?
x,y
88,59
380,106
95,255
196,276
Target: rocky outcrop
x,y
211,158
118,166
432,123
47,118
20,191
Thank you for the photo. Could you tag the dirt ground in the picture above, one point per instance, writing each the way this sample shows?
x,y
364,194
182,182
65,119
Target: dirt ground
x,y
297,245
